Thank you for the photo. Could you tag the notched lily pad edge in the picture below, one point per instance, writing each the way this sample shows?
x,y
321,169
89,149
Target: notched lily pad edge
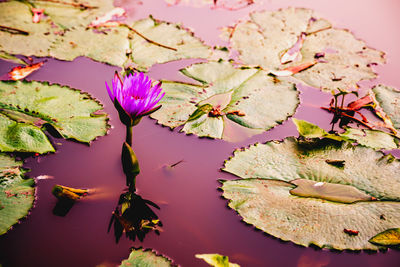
x,y
283,240
172,263
34,202
89,96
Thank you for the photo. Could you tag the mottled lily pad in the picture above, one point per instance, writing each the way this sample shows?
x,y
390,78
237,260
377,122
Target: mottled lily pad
x,y
270,40
139,257
16,192
247,96
64,33
173,42
369,138
269,206
216,260
324,192
29,108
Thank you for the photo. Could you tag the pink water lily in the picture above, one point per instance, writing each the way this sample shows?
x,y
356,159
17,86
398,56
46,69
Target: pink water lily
x,y
135,94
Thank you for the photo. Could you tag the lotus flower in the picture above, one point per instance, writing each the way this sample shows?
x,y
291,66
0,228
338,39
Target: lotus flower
x,y
134,97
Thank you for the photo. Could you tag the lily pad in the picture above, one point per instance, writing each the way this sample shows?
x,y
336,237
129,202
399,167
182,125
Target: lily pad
x,y
304,192
216,260
173,42
388,99
269,37
65,34
139,257
370,138
16,192
29,108
269,206
370,171
390,237
250,98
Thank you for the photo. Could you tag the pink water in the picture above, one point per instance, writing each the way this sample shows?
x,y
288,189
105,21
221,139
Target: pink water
x,y
195,217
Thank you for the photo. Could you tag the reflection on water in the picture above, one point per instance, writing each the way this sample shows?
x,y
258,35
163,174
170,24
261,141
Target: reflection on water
x,y
134,217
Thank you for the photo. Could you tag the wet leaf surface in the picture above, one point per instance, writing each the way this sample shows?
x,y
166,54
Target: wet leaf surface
x,y
342,59
139,257
216,260
67,32
16,192
297,191
254,99
390,237
23,119
370,138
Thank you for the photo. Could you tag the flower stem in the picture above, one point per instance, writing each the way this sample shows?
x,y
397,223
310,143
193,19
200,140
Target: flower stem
x,y
129,135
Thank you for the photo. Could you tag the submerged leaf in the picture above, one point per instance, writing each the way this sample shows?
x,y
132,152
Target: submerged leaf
x,y
254,99
342,60
331,174
216,260
390,237
332,192
28,108
16,192
139,257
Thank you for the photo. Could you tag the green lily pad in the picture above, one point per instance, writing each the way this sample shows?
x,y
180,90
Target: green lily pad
x,y
342,59
216,260
28,108
148,258
370,138
390,237
269,206
249,96
316,193
16,192
173,42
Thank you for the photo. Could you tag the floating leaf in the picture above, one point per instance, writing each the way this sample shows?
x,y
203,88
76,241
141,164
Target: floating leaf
x,y
10,58
253,99
19,72
216,260
342,59
66,33
110,46
27,108
333,192
139,257
390,237
68,193
269,206
331,174
368,170
369,138
16,192
171,42
387,100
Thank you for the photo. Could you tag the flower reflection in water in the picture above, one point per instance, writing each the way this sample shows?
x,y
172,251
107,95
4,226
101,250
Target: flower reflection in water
x,y
134,217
